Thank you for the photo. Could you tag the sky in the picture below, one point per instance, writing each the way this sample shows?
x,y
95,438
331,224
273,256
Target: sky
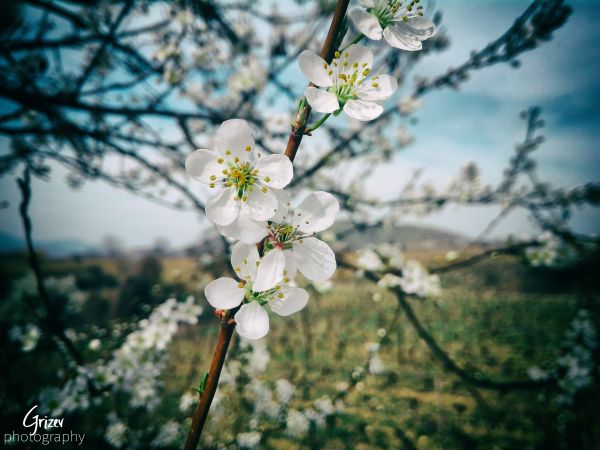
x,y
480,123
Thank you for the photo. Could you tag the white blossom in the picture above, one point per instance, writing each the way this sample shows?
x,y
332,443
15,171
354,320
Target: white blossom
x,y
28,336
296,423
368,260
263,281
115,434
376,366
249,440
285,390
94,344
416,280
246,181
409,105
187,400
401,24
324,405
290,232
346,83
169,434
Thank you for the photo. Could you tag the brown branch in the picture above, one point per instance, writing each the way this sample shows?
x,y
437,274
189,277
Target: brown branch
x,y
327,51
228,324
201,412
52,321
447,362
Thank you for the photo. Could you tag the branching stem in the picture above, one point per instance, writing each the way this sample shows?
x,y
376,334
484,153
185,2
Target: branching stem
x,y
227,322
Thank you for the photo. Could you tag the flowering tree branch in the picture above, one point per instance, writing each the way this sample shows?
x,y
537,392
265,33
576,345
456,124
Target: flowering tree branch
x,y
227,322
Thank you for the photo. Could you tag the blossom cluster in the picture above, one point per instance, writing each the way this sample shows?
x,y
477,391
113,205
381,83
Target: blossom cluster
x,y
133,371
251,208
550,251
407,274
263,402
576,367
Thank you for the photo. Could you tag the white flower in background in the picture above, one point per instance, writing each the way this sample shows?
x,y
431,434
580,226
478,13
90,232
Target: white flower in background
x,y
248,77
368,260
285,390
537,374
416,280
168,435
256,356
28,336
314,416
187,400
290,233
409,105
262,281
188,311
322,287
324,405
263,400
400,23
346,83
94,344
246,181
249,440
376,366
389,280
115,434
547,253
577,365
296,423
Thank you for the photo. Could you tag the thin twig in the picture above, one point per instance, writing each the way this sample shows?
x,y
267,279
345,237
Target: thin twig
x,y
52,322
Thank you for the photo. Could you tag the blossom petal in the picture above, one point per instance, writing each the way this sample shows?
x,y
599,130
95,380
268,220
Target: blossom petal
x,y
224,207
202,165
366,23
320,100
386,86
260,205
293,300
244,260
246,230
252,321
315,259
316,212
224,293
408,35
356,54
314,68
291,266
234,136
270,271
283,205
363,110
367,3
277,169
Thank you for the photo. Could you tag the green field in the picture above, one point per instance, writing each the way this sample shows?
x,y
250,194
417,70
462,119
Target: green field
x,y
484,321
495,320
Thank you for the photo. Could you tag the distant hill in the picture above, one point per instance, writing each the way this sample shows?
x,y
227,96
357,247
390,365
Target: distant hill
x,y
410,236
59,248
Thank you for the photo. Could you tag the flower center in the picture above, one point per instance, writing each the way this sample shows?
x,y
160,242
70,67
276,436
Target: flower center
x,y
242,176
262,297
347,76
388,11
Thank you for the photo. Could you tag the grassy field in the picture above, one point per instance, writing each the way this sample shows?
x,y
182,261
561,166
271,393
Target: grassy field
x,y
496,320
484,321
